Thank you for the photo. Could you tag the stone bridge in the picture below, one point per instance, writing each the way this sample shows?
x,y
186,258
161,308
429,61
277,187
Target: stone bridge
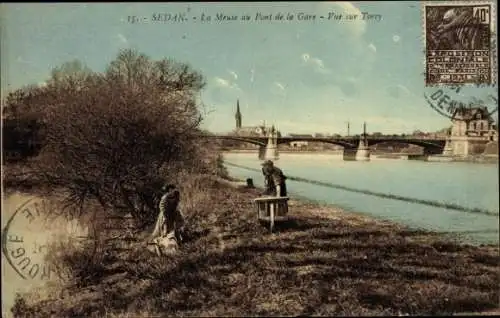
x,y
355,147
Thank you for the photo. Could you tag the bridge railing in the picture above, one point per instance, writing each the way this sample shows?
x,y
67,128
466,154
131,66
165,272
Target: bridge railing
x,y
369,137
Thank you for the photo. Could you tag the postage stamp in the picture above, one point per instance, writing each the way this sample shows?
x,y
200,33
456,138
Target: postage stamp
x,y
459,42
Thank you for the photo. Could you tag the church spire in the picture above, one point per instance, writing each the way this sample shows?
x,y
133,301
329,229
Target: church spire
x,y
238,115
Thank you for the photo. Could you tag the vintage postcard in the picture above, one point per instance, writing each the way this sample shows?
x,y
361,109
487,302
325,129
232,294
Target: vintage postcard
x,y
249,159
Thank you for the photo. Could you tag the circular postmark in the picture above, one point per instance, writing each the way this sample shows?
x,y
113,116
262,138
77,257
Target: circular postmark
x,y
448,101
28,235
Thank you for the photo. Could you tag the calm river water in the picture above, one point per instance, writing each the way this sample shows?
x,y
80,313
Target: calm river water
x,y
464,184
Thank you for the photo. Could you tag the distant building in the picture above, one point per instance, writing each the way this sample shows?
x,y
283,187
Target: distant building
x,y
320,135
442,133
299,143
474,122
250,131
473,128
418,133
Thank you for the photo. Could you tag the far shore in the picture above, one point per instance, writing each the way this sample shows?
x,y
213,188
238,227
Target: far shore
x,y
483,159
288,151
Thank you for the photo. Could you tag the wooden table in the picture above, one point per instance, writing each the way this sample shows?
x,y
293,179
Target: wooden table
x,y
271,208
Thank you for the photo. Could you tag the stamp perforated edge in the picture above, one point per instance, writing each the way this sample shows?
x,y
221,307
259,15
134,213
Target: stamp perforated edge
x,y
493,38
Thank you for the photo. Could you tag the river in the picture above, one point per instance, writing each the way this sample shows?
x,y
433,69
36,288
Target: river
x,y
463,184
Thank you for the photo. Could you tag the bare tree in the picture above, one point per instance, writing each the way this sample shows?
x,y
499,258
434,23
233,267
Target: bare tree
x,y
117,136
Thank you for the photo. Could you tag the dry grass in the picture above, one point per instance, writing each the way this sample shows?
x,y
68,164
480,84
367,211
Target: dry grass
x,y
20,177
321,262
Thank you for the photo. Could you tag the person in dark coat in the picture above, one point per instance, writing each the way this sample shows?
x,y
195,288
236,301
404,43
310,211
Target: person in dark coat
x,y
274,180
169,203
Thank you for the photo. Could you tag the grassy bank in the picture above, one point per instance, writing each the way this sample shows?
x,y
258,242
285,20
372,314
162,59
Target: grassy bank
x,y
491,159
321,262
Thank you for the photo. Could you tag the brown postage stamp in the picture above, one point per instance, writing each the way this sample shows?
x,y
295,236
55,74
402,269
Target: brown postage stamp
x,y
460,45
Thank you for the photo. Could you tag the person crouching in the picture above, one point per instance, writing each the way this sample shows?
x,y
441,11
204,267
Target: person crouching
x,y
169,227
274,180
173,218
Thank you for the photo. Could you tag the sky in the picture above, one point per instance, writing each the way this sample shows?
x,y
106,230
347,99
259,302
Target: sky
x,y
303,76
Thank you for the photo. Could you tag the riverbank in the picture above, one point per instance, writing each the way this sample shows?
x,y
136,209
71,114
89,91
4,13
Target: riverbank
x,y
490,159
323,261
481,159
486,159
290,151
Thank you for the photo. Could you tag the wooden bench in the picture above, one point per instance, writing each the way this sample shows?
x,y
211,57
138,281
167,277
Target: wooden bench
x,y
271,208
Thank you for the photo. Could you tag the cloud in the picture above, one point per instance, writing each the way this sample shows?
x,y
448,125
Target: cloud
x,y
317,64
358,26
279,85
348,7
372,47
220,82
222,91
223,83
233,74
122,38
278,88
396,38
347,84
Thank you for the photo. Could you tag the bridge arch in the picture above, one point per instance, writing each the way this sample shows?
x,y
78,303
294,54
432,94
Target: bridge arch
x,y
435,146
242,139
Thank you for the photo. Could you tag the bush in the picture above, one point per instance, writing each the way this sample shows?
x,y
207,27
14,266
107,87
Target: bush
x,y
109,141
118,136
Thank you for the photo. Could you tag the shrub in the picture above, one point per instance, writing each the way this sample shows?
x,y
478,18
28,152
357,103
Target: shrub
x,y
118,136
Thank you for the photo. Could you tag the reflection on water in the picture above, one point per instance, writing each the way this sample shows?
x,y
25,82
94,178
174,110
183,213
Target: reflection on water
x,y
469,185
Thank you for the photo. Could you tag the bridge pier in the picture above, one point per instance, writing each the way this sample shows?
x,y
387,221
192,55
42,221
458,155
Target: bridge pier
x,y
448,148
271,151
363,151
262,152
356,154
463,146
349,154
